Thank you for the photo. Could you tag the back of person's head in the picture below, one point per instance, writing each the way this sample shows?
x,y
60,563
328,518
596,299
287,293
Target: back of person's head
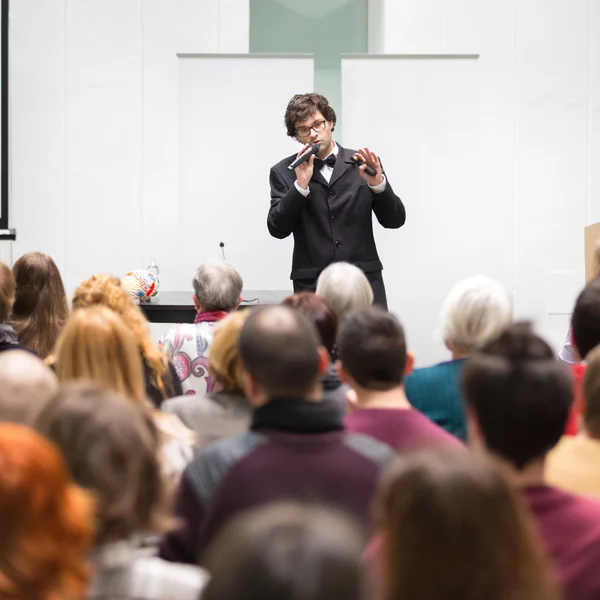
x,y
318,311
345,288
585,320
452,526
111,448
46,521
224,363
26,385
7,292
106,290
217,286
280,351
591,394
372,349
475,312
518,396
40,308
286,552
97,345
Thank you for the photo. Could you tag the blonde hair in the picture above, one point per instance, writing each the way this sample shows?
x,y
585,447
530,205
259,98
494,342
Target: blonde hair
x,y
224,363
475,312
97,345
345,288
106,290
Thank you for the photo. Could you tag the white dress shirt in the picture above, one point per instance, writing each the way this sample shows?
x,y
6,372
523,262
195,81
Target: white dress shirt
x,y
327,172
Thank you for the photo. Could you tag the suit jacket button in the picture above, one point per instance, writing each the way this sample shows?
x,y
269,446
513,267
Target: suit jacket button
x,y
337,243
330,194
333,219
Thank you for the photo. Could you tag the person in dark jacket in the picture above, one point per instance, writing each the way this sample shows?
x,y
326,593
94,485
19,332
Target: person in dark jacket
x,y
296,449
327,202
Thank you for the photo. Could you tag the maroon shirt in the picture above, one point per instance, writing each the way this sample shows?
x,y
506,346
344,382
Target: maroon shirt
x,y
295,450
402,429
570,526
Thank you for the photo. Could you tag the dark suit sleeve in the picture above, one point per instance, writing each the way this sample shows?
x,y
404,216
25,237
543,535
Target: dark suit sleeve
x,y
287,204
388,207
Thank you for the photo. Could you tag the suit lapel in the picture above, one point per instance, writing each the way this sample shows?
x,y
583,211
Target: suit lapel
x,y
318,177
343,162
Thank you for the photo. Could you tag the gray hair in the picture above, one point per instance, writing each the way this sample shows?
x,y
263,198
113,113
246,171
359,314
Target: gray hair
x,y
217,285
26,386
475,311
345,288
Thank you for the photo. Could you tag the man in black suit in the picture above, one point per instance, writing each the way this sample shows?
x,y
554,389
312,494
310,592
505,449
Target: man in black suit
x,y
327,201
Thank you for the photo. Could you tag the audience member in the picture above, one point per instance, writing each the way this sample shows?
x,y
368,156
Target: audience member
x,y
475,311
323,317
161,379
374,360
96,345
45,521
296,449
224,413
574,464
286,552
8,336
454,528
585,334
217,292
568,352
110,445
26,385
40,310
345,288
518,399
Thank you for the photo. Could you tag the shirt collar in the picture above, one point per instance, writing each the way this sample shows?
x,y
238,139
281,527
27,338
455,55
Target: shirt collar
x,y
335,151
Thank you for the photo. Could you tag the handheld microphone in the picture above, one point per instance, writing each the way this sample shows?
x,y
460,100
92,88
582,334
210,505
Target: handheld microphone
x,y
222,245
312,149
369,170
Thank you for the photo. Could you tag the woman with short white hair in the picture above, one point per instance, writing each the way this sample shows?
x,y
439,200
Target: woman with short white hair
x,y
475,311
345,288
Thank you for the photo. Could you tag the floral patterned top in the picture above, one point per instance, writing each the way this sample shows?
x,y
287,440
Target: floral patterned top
x,y
187,346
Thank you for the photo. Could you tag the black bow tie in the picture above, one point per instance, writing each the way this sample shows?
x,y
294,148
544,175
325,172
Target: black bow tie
x,y
329,161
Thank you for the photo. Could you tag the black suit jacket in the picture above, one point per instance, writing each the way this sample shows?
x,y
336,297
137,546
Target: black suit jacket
x,y
334,222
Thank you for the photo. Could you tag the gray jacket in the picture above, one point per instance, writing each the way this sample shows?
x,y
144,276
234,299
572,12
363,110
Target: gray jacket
x,y
213,417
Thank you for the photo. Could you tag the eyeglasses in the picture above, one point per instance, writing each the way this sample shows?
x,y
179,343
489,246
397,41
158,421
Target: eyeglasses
x,y
316,127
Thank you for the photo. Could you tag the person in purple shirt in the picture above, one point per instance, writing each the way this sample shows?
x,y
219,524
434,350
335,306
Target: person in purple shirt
x,y
518,399
373,360
296,448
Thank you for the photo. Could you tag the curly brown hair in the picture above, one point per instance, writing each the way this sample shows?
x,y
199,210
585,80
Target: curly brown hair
x,y
302,106
106,290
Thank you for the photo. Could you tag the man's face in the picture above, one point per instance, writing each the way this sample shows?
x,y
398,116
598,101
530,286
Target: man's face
x,y
305,133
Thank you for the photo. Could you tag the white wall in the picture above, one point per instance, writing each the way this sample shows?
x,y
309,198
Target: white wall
x,y
94,125
540,132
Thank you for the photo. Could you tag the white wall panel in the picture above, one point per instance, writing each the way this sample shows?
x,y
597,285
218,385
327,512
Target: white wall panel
x,y
428,140
37,133
593,204
226,148
552,91
103,138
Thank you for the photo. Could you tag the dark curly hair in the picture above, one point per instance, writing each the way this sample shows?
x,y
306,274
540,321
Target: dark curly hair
x,y
302,106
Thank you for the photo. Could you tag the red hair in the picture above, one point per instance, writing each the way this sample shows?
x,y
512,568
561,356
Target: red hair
x,y
45,520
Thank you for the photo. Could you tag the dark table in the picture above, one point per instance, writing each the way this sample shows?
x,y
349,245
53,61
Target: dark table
x,y
178,307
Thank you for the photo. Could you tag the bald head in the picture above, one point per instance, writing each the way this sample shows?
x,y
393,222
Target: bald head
x,y
279,348
26,385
